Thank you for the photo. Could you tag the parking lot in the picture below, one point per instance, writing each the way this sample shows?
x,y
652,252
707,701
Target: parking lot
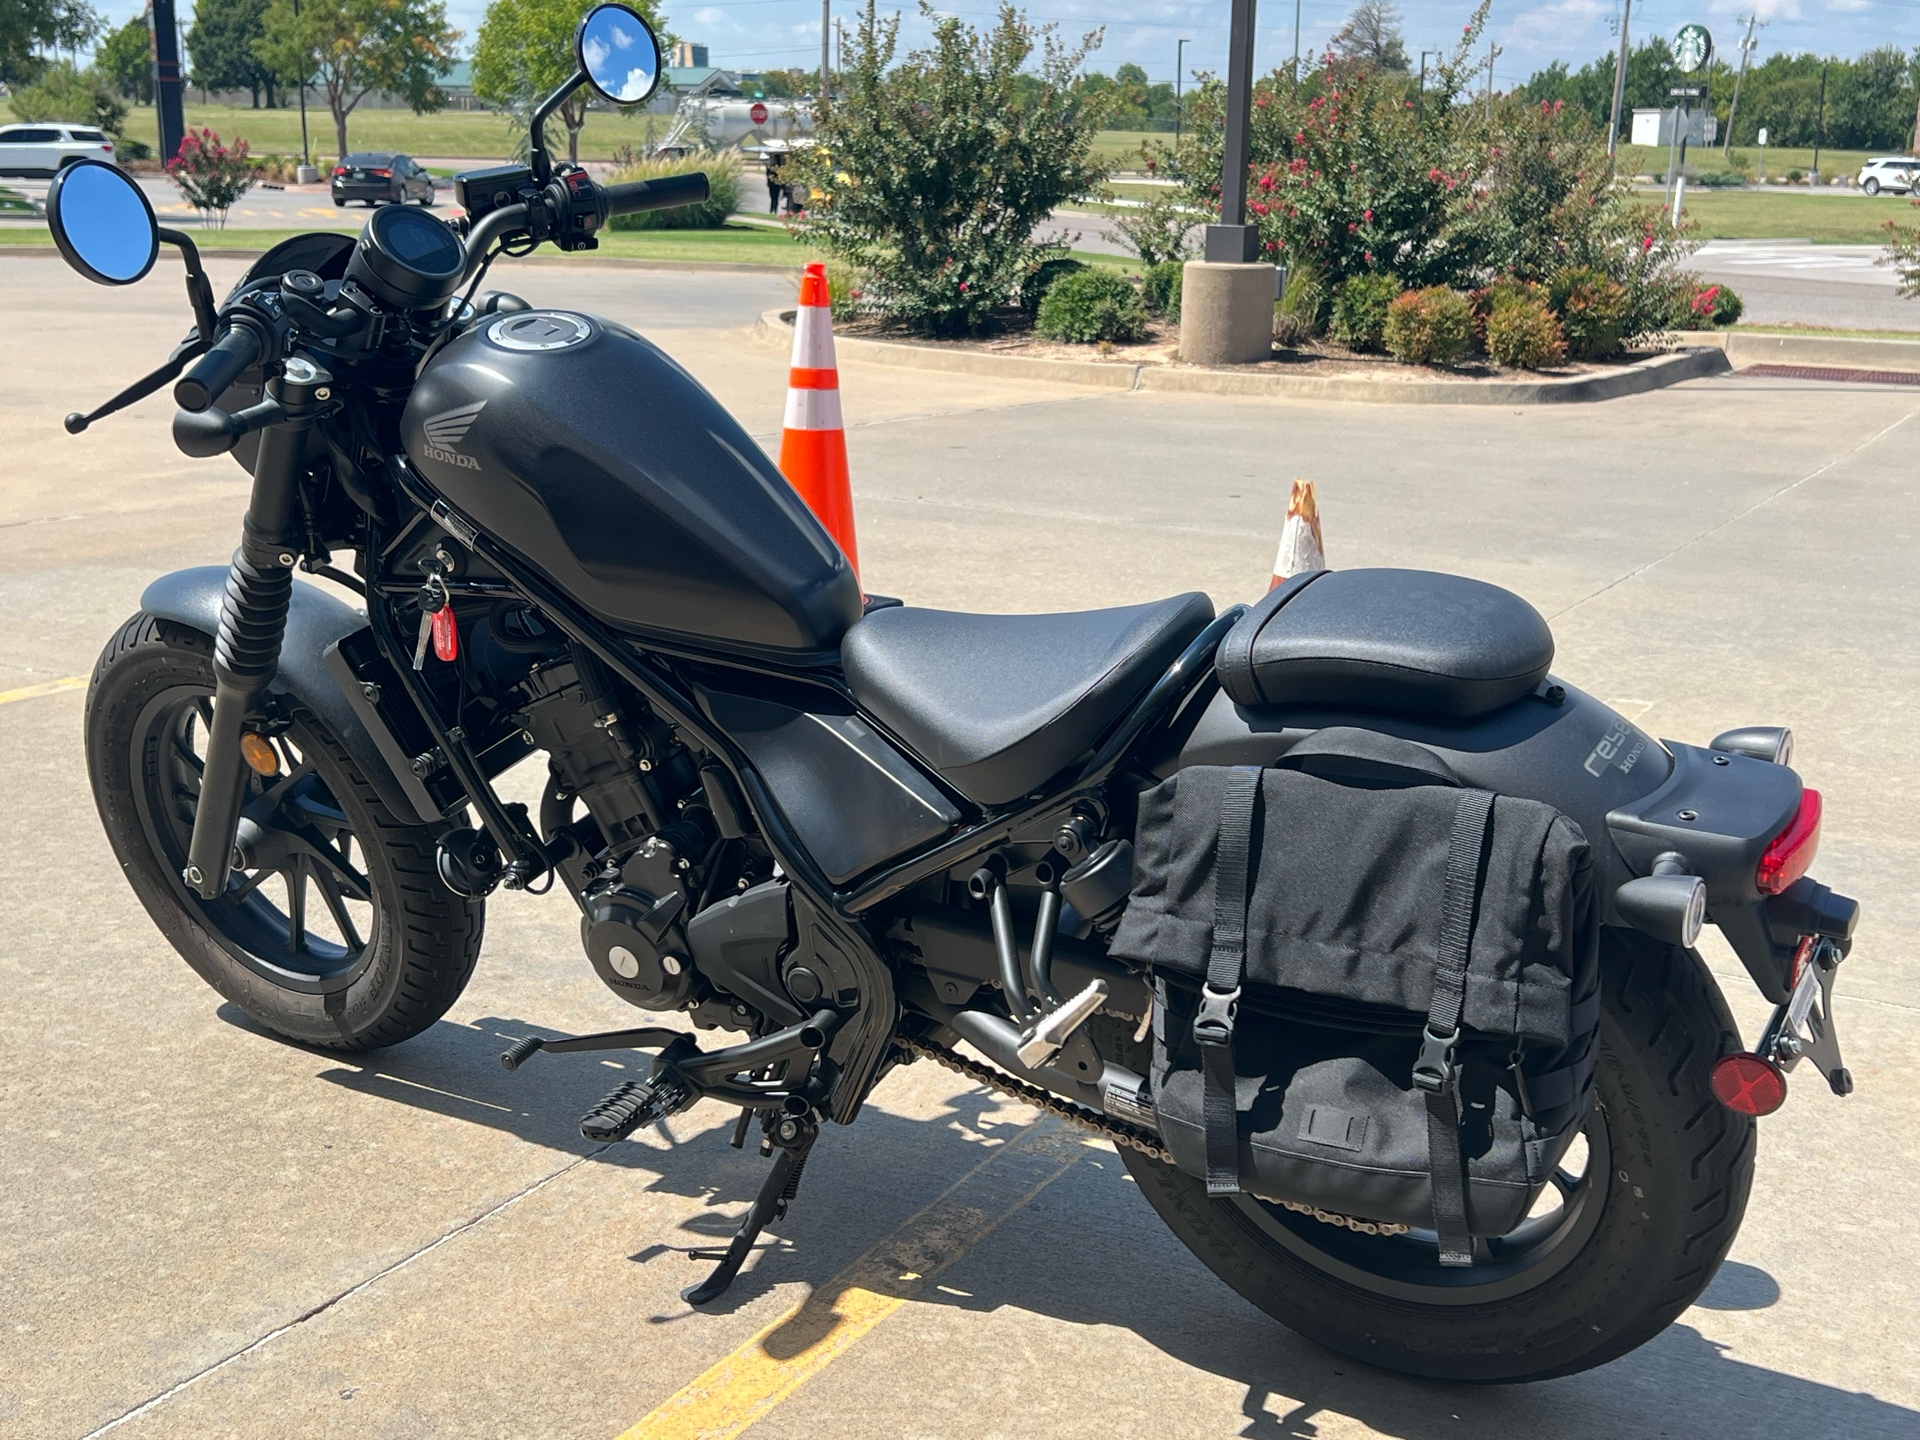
x,y
208,1232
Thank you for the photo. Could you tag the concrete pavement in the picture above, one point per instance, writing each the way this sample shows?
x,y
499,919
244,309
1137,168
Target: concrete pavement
x,y
208,1232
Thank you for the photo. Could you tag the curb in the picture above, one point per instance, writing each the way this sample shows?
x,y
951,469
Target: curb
x,y
1744,348
627,262
776,327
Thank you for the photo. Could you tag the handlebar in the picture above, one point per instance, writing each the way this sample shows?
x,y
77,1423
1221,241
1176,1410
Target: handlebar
x,y
662,194
234,352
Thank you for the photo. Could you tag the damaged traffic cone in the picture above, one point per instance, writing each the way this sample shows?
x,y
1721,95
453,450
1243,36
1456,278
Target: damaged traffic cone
x,y
1300,547
813,444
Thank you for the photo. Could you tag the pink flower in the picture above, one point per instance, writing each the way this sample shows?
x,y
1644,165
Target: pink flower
x,y
963,287
1369,255
1258,208
1351,227
1266,181
1367,215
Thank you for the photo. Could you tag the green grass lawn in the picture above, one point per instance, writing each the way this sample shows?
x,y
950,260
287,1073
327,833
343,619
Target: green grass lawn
x,y
1652,160
1776,215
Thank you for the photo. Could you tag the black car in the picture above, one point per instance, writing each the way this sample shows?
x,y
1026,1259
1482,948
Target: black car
x,y
374,176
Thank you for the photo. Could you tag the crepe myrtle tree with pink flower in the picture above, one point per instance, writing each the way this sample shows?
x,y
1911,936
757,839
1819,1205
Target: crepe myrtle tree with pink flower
x,y
210,175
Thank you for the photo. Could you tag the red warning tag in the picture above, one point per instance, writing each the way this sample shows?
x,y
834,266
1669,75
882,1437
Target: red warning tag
x,y
446,633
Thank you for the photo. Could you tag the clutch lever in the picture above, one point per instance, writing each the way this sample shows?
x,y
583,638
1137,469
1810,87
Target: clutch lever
x,y
188,352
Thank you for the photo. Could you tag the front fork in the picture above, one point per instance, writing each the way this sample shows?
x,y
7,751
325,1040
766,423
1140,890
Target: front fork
x,y
253,621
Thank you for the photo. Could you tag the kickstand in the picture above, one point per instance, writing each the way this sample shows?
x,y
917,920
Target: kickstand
x,y
795,1139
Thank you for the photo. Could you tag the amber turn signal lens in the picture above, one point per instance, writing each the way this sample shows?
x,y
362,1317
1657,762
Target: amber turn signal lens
x,y
260,754
1748,1085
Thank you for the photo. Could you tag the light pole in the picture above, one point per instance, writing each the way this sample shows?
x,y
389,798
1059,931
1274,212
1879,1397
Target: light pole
x,y
826,28
1746,53
1420,97
1619,79
1296,42
306,149
1820,124
1233,241
1179,69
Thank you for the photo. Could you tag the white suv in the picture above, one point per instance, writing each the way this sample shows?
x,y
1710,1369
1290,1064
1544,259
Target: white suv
x,y
1887,172
47,149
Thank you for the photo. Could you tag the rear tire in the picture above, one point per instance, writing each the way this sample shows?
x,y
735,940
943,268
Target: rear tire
x,y
351,973
1679,1167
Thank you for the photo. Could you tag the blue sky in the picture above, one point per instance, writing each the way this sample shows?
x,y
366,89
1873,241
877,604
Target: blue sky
x,y
760,34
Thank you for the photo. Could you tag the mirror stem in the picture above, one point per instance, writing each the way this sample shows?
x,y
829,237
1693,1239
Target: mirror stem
x,y
537,157
199,289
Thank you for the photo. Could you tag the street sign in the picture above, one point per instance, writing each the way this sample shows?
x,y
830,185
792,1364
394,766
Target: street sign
x,y
1692,48
1763,134
758,113
1689,92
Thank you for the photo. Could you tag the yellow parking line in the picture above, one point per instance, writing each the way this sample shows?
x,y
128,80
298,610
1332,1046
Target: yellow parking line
x,y
737,1391
45,687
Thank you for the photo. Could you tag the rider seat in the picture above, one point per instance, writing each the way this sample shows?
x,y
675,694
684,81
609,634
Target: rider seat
x,y
1411,642
997,704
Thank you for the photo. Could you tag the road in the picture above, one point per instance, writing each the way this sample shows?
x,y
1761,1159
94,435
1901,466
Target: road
x,y
207,1232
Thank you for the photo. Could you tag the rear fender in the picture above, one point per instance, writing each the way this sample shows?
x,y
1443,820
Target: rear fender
x,y
316,622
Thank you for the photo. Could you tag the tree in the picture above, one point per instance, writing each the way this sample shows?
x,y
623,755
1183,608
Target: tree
x,y
788,84
64,93
1372,37
352,48
28,26
930,175
222,43
525,50
126,61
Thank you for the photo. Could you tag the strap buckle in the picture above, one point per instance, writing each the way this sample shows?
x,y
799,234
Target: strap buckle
x,y
1433,1072
1213,1024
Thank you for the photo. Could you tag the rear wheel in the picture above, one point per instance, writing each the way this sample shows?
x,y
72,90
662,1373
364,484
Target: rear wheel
x,y
1643,1210
334,929
1872,186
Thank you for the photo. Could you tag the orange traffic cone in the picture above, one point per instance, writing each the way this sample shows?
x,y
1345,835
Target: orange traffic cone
x,y
1300,546
813,445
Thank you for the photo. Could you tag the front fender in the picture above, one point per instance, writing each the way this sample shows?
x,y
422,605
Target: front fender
x,y
315,622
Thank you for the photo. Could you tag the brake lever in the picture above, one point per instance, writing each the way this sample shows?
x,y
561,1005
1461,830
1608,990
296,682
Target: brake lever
x,y
188,352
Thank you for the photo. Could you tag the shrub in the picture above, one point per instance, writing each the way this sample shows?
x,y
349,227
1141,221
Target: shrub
x,y
211,175
1592,310
1429,327
1486,299
1160,288
1301,314
1794,177
931,173
723,176
1159,230
1903,255
1698,306
1727,307
79,97
1522,333
1092,305
846,290
1360,310
1034,288
1720,179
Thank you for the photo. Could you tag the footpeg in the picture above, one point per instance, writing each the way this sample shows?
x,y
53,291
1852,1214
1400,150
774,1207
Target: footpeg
x,y
1041,1041
632,1104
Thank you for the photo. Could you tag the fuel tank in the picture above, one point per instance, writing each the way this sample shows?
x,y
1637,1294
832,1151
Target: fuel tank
x,y
588,451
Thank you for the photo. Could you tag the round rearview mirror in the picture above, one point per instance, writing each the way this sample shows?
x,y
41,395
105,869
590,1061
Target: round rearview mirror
x,y
619,54
103,223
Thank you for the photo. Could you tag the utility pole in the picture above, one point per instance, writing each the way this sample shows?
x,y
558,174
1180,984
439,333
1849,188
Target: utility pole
x,y
1494,52
839,45
1820,125
1179,71
1296,58
165,35
1420,96
306,149
1746,53
826,35
1619,78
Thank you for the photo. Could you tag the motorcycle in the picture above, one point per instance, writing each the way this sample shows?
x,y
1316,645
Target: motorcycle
x,y
855,833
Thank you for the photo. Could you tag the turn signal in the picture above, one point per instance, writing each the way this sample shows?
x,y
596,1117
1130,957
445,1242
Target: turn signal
x,y
260,754
1793,849
1748,1085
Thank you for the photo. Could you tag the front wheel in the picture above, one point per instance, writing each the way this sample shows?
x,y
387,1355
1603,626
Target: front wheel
x,y
335,929
1644,1208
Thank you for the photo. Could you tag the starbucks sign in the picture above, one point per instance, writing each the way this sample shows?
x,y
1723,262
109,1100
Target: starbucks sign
x,y
1692,48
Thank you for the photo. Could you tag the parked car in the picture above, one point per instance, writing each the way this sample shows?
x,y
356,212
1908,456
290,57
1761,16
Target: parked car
x,y
376,176
48,148
1890,172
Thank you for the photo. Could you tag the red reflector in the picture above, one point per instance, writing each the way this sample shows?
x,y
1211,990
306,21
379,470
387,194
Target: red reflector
x,y
1792,850
1748,1085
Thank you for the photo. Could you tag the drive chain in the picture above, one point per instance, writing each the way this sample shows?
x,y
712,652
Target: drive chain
x,y
1127,1135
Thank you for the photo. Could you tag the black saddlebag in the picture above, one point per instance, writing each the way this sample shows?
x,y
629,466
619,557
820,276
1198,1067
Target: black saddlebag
x,y
1377,990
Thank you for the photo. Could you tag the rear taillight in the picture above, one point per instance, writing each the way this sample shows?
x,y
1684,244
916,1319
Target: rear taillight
x,y
1792,850
383,174
339,169
107,148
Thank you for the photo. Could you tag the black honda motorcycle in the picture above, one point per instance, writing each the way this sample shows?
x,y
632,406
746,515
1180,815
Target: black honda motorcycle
x,y
854,834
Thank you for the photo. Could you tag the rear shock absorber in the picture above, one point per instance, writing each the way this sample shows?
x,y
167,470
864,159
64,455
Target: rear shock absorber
x,y
253,621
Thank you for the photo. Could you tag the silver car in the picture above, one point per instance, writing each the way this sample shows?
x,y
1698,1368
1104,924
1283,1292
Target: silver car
x,y
47,148
1890,172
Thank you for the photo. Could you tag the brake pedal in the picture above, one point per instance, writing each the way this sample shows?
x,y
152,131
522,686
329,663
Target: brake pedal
x,y
632,1104
1040,1043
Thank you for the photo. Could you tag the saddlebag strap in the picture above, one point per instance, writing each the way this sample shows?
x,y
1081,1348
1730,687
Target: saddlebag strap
x,y
1435,1073
1220,996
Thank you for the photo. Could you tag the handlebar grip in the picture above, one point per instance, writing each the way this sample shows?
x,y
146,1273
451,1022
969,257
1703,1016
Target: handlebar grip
x,y
233,353
662,194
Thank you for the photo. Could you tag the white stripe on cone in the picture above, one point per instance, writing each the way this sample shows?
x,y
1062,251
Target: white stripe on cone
x,y
1300,547
813,338
813,409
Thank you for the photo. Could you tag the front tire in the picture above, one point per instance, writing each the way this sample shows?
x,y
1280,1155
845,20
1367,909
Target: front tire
x,y
1634,1240
337,932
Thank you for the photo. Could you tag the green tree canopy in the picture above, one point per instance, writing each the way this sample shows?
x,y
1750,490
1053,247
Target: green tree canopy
x,y
351,48
64,93
525,49
222,43
28,26
126,61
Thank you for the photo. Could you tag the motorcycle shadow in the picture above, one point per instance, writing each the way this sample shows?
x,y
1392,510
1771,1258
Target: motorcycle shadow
x,y
1086,1251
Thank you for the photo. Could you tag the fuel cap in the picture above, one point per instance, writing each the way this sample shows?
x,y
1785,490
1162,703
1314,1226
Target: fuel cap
x,y
540,330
